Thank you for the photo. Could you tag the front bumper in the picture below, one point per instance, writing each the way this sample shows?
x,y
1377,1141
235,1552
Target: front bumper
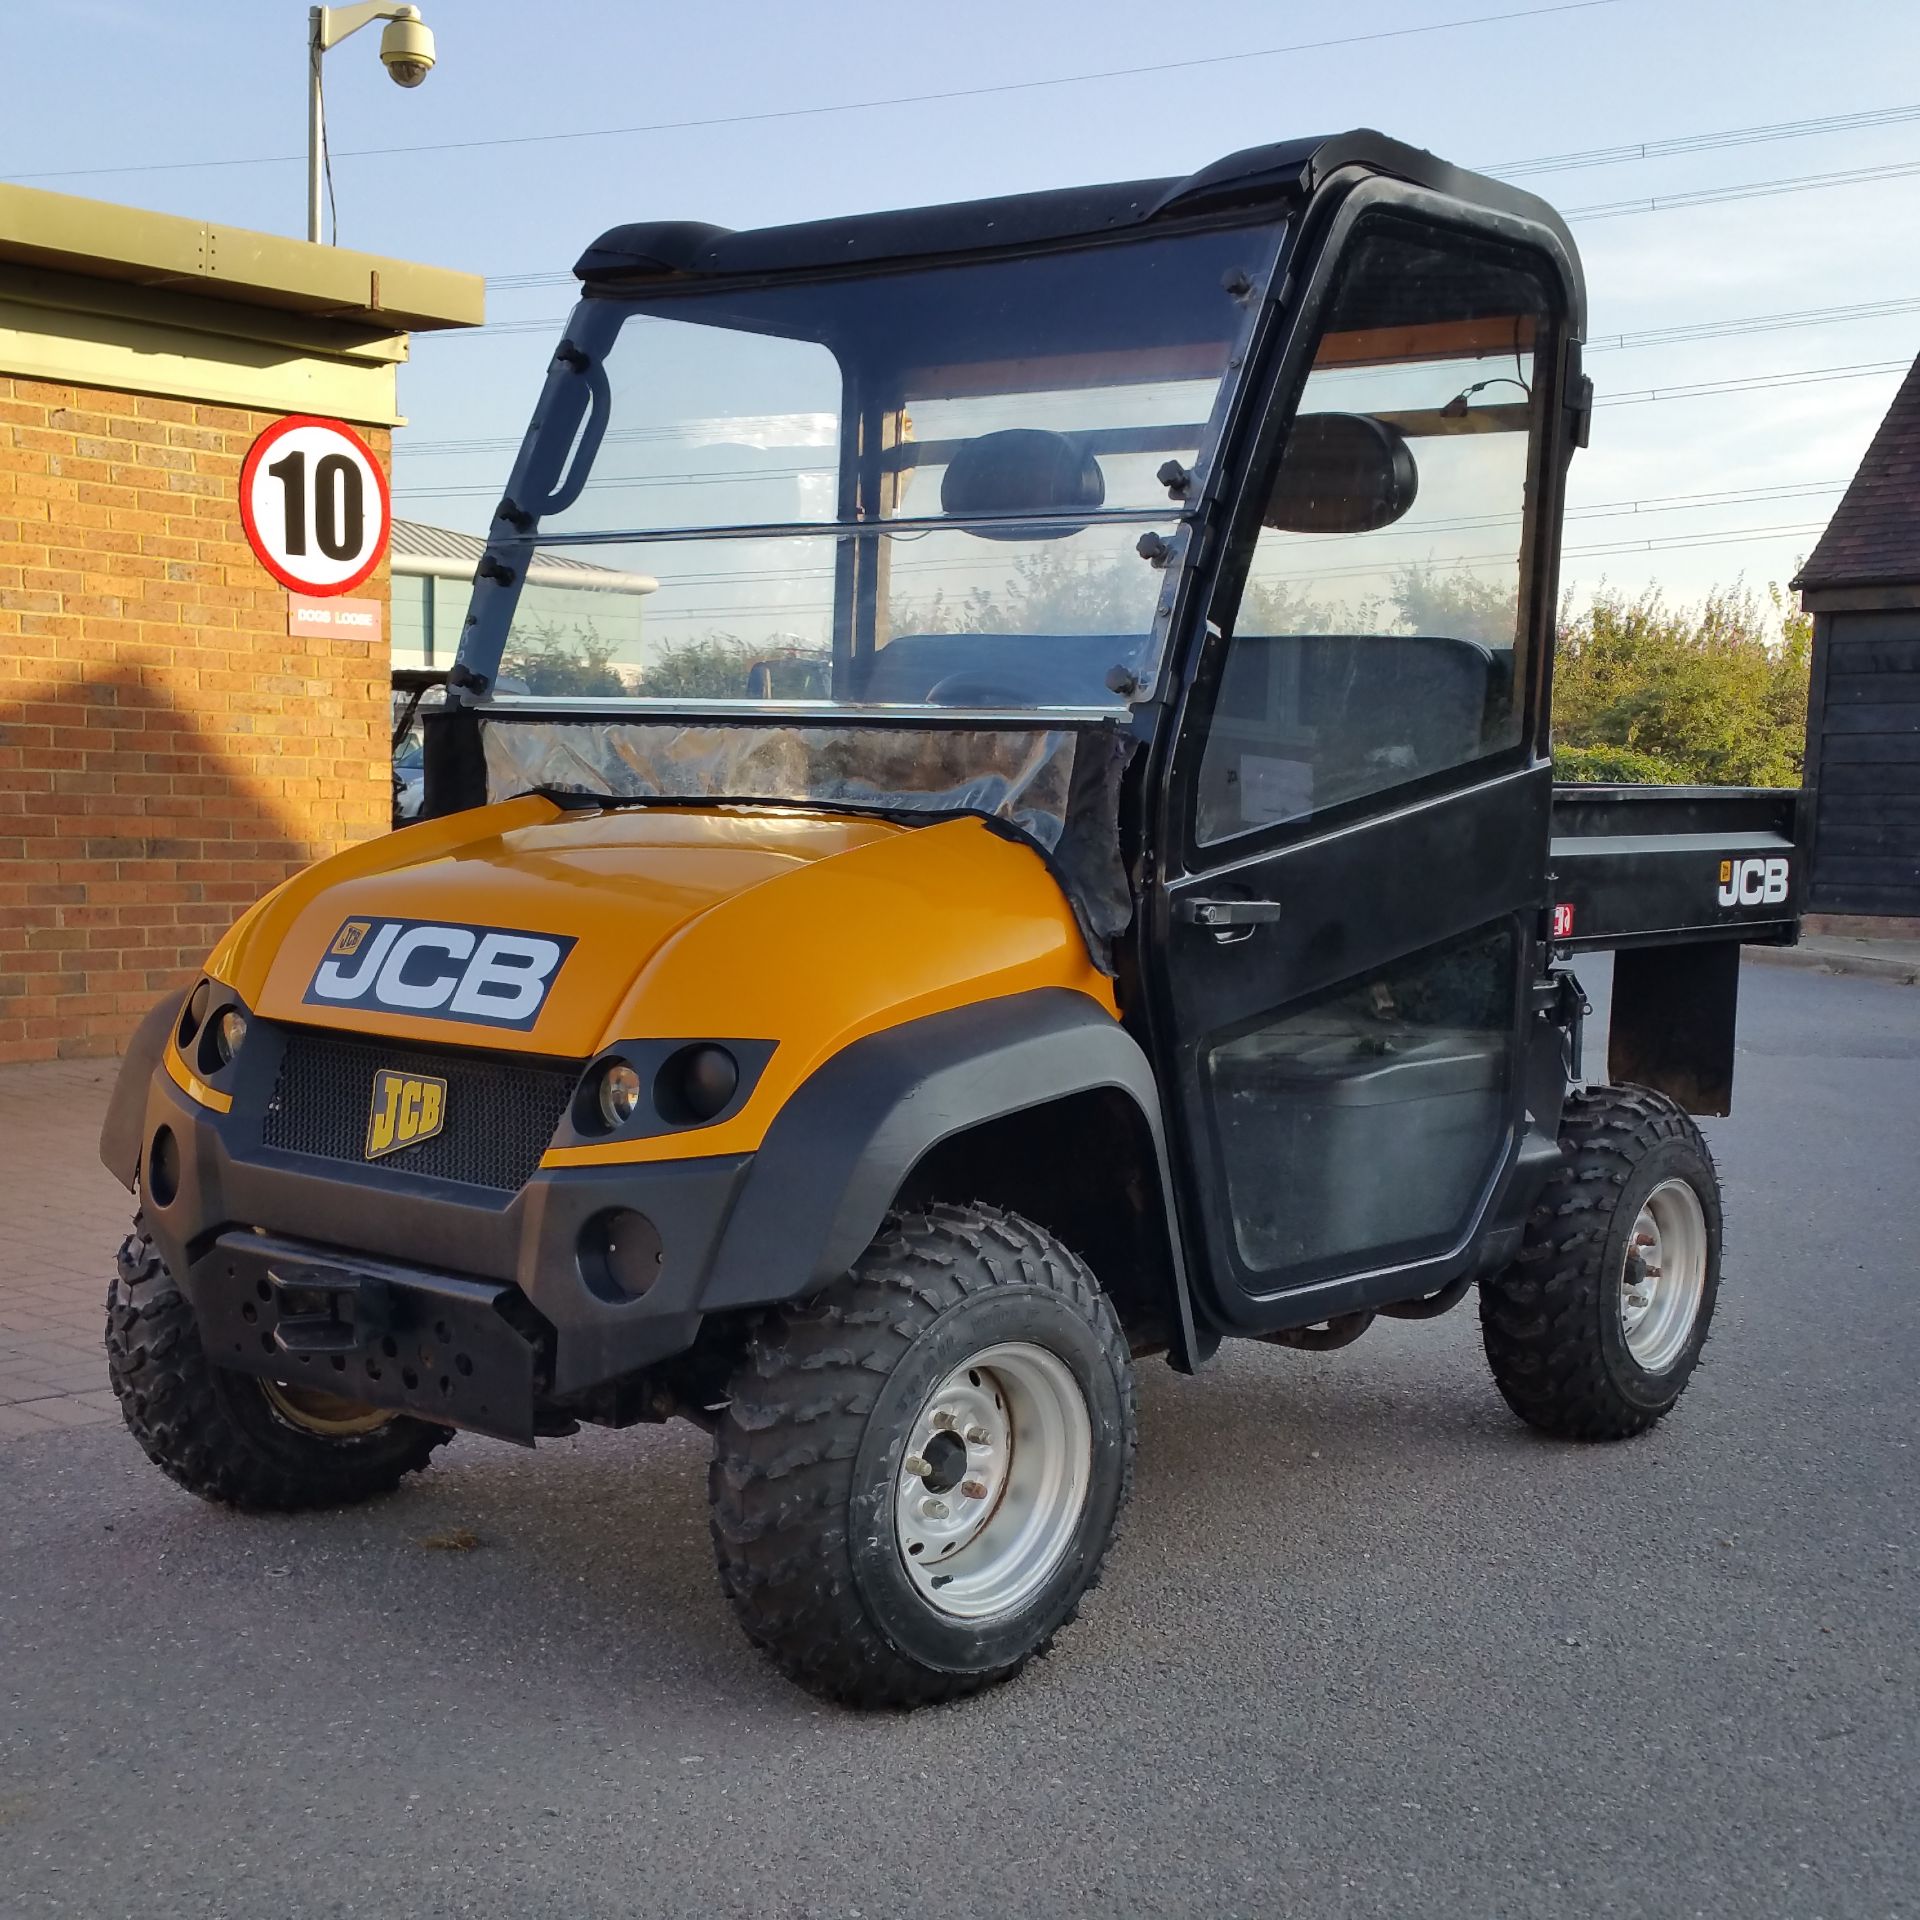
x,y
397,1256
465,1351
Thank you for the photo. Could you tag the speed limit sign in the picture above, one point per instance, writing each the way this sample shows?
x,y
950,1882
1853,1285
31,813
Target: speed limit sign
x,y
314,502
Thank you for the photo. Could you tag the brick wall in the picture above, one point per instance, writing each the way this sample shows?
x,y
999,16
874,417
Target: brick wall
x,y
167,753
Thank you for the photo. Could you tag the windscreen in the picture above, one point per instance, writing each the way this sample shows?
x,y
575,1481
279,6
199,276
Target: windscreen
x,y
920,489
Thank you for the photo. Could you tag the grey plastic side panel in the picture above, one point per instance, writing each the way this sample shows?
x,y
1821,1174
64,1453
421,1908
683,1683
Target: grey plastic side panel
x,y
122,1130
832,1162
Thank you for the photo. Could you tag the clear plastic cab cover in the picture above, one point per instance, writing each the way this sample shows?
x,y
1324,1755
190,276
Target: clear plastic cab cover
x,y
1059,787
1023,776
922,489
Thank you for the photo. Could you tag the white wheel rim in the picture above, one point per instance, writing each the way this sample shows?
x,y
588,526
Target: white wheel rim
x,y
993,1480
1664,1275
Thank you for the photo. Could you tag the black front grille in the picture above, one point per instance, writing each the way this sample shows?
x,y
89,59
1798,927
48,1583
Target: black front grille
x,y
500,1112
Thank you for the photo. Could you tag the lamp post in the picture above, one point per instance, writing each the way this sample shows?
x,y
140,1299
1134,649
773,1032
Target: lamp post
x,y
406,50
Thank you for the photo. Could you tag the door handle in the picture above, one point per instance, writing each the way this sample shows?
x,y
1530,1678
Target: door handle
x,y
1230,920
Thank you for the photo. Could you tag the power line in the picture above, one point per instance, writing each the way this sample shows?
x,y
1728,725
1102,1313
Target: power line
x,y
1655,543
497,329
1749,190
1702,142
1701,390
1650,506
1679,543
860,106
1708,389
1754,323
1601,210
1599,343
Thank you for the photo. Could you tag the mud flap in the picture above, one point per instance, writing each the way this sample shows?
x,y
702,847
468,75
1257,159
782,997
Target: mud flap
x,y
1672,1024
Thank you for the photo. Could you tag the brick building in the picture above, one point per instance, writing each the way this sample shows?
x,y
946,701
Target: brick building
x,y
167,752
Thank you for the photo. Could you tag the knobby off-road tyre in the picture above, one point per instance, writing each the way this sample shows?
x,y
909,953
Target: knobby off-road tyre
x,y
1595,1329
217,1432
920,1469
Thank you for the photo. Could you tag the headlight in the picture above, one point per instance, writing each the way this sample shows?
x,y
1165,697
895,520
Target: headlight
x,y
697,1083
229,1034
619,1093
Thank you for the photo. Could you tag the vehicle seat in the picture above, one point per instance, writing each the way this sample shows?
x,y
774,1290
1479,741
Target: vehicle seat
x,y
1022,470
1303,721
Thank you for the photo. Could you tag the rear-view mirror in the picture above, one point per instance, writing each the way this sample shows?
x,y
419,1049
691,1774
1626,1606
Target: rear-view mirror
x,y
1342,473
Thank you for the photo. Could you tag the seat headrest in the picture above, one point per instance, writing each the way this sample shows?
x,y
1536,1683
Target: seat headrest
x,y
1022,470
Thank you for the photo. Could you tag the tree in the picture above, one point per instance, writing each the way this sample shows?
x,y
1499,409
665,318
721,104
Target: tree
x,y
566,661
1047,590
722,666
1714,694
1462,606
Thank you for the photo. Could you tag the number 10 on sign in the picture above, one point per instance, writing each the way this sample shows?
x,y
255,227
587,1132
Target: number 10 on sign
x,y
314,503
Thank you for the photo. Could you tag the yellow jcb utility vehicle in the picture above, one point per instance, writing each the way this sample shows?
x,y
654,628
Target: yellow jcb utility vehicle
x,y
1068,871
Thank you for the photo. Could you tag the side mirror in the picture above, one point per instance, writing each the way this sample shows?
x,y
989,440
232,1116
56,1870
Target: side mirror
x,y
1342,473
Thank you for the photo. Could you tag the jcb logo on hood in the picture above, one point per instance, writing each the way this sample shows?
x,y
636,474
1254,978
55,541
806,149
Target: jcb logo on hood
x,y
487,975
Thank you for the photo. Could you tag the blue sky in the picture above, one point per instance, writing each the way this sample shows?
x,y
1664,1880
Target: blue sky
x,y
132,85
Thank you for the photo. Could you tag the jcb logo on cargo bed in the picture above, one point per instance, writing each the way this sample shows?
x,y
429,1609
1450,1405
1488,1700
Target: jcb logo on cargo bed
x,y
407,1108
1753,883
490,976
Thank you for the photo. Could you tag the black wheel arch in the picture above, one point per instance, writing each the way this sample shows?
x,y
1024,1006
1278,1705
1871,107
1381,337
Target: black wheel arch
x,y
1040,1102
123,1132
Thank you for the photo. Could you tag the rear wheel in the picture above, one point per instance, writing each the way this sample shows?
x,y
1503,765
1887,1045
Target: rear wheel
x,y
233,1437
919,1472
1596,1328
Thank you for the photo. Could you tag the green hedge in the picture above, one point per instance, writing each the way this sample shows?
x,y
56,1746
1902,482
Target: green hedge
x,y
1616,766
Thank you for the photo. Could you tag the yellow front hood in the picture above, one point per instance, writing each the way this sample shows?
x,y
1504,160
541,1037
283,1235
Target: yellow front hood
x,y
804,929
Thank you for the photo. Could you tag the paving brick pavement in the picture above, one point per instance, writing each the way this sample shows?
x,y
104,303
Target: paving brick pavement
x,y
65,1216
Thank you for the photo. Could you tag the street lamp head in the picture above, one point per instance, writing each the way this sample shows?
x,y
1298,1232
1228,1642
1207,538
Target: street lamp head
x,y
406,48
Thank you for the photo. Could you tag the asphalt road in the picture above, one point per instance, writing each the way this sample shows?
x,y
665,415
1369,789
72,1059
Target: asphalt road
x,y
1367,1647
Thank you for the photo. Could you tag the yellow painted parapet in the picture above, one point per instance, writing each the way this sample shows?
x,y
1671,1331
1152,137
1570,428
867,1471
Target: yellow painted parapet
x,y
101,241
106,296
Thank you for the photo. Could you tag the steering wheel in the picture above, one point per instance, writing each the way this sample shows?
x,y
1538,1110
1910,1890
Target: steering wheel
x,y
965,689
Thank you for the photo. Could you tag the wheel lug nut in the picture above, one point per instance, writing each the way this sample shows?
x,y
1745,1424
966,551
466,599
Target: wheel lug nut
x,y
974,1489
944,1421
978,1436
919,1466
934,1509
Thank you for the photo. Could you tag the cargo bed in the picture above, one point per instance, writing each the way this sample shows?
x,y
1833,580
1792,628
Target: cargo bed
x,y
1656,866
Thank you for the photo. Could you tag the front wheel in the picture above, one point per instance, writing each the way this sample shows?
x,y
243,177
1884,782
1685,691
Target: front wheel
x,y
1596,1328
233,1437
919,1471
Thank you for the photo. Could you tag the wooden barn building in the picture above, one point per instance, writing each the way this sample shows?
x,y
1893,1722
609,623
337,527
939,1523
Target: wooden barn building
x,y
1862,586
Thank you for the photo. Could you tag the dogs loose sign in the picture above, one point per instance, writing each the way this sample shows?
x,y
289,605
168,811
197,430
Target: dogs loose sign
x,y
315,505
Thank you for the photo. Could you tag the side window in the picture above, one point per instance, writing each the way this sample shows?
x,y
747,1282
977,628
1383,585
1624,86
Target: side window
x,y
1380,631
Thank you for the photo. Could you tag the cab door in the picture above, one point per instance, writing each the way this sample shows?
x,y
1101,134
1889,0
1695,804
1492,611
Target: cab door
x,y
1355,812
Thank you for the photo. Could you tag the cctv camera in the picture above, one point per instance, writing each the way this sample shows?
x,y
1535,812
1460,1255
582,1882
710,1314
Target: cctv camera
x,y
407,49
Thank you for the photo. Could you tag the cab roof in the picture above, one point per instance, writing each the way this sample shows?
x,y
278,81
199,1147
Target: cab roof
x,y
1275,176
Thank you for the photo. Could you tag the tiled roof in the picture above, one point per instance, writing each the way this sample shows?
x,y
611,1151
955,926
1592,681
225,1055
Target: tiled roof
x,y
1873,539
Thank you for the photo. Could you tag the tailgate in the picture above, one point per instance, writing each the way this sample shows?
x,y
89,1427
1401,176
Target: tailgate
x,y
1642,866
